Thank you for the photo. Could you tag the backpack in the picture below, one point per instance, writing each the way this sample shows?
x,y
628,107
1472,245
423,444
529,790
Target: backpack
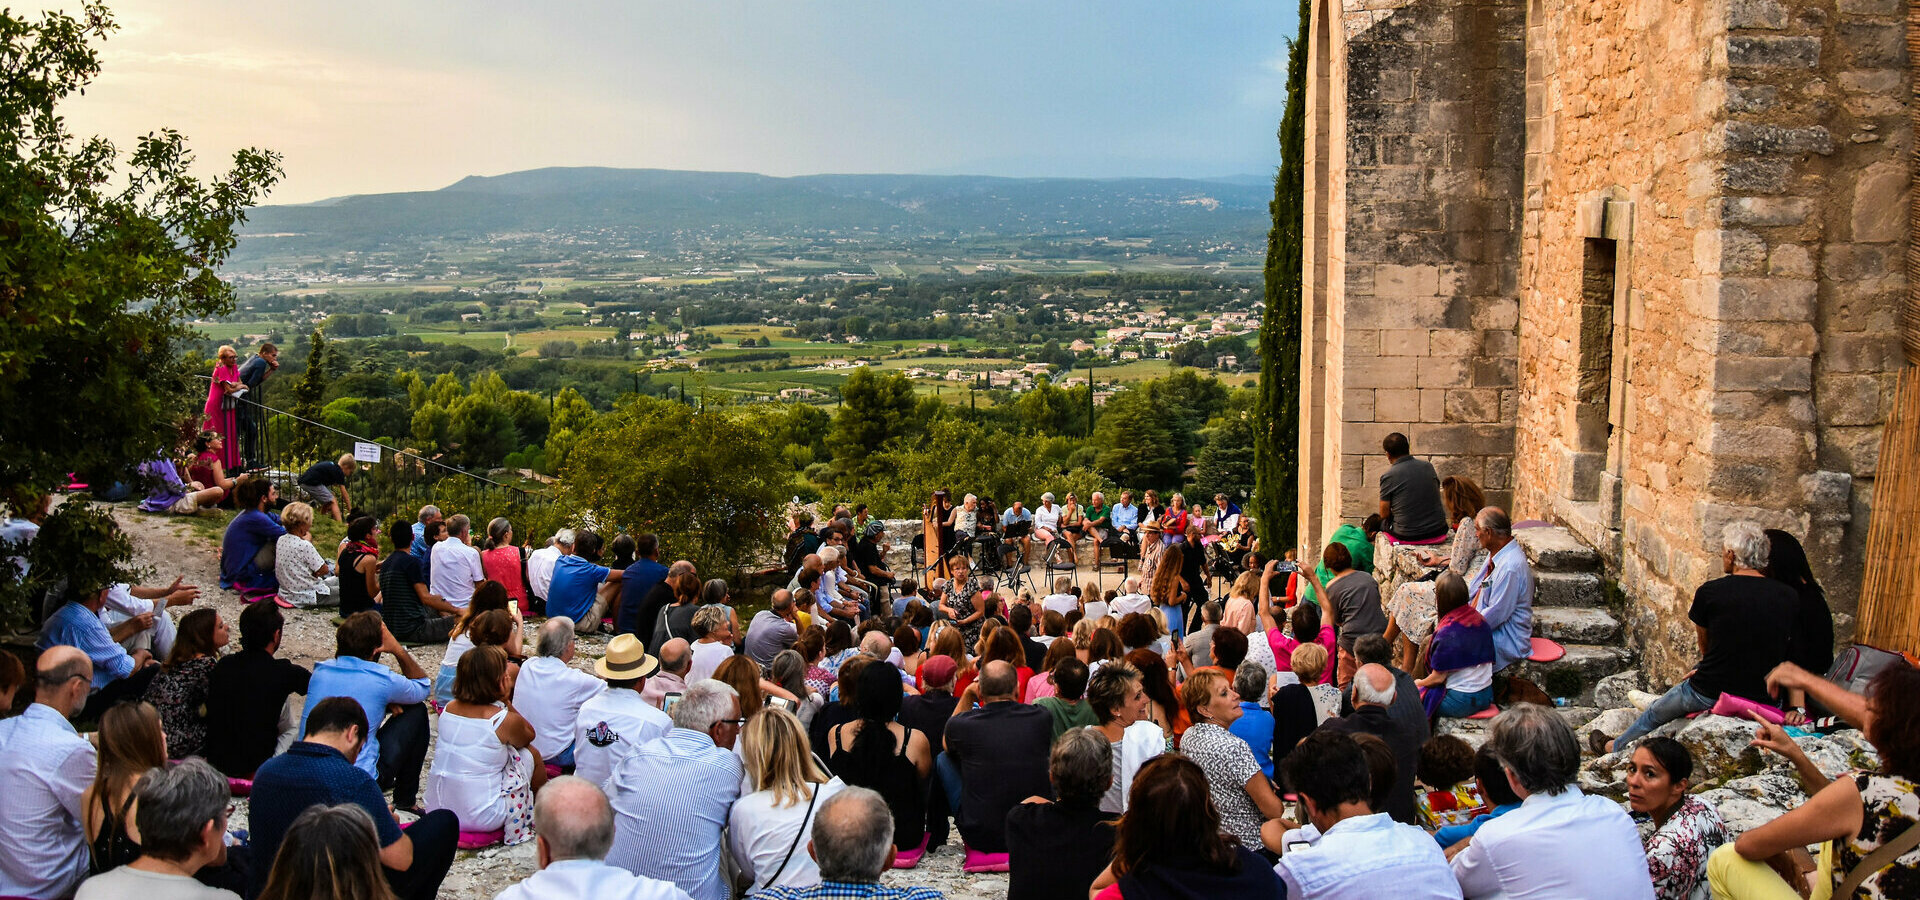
x,y
1855,667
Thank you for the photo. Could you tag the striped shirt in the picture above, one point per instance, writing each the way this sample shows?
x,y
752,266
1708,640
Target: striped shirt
x,y
44,767
670,801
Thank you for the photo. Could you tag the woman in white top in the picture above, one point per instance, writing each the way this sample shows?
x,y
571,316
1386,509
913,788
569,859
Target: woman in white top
x,y
297,565
714,625
484,766
767,829
490,596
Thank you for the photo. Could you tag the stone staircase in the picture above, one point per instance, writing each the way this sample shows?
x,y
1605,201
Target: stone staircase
x,y
1570,606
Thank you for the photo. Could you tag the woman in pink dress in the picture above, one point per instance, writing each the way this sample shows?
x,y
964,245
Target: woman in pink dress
x,y
221,417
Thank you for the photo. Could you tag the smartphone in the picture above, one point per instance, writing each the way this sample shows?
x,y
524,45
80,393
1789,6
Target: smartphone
x,y
780,703
667,702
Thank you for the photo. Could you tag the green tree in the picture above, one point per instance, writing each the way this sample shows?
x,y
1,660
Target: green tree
x,y
874,408
101,266
1276,446
482,431
969,457
1137,447
309,397
1226,462
572,416
1048,410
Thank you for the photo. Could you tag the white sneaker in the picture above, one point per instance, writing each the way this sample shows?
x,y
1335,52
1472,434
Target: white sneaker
x,y
1641,699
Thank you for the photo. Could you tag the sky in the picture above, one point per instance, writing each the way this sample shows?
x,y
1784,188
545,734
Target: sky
x,y
367,97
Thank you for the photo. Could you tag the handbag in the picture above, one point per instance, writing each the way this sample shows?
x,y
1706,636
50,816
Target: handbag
x,y
1855,667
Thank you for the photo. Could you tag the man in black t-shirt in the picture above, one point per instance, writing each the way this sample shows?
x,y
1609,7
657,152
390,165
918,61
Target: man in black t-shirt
x,y
323,480
1411,508
1744,622
246,694
412,612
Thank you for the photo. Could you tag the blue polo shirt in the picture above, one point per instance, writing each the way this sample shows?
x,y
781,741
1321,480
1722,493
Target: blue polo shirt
x,y
571,592
1255,726
306,775
639,581
374,686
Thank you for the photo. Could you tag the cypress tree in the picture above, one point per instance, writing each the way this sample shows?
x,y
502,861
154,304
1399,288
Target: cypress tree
x,y
1277,416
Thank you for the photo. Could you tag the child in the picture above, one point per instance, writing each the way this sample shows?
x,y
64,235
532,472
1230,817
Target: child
x,y
1453,796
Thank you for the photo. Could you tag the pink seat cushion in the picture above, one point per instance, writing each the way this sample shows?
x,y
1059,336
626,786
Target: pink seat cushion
x,y
978,862
1487,713
907,859
474,840
1546,651
240,787
1426,543
553,771
1742,708
1532,523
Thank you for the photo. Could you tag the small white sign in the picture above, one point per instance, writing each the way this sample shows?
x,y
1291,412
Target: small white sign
x,y
364,451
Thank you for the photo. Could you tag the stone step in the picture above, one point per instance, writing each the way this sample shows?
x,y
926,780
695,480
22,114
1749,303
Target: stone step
x,y
1556,550
1575,625
1575,674
1568,589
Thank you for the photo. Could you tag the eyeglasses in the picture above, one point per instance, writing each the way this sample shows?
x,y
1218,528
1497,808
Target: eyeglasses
x,y
60,682
734,722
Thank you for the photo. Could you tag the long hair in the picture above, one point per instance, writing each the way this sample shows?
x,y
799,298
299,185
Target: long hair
x,y
744,675
951,644
1170,816
1787,562
489,595
878,699
193,637
789,670
131,742
1154,679
777,757
1462,496
329,853
1005,646
1449,593
1105,646
1166,576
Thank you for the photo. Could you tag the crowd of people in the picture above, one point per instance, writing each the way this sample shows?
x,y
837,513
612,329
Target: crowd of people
x,y
1144,742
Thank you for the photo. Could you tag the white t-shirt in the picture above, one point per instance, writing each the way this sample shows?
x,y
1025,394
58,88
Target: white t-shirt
x,y
549,693
456,571
540,569
1096,609
19,532
760,833
122,605
1060,603
609,728
126,882
1471,678
706,658
294,561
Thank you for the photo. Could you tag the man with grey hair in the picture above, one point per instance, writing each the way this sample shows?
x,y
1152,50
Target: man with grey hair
x,y
1744,624
550,691
1374,691
852,840
671,797
1560,843
455,569
182,818
1502,588
540,564
1055,847
573,824
772,629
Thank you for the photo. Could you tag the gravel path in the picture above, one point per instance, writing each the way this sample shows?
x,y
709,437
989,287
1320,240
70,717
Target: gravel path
x,y
171,548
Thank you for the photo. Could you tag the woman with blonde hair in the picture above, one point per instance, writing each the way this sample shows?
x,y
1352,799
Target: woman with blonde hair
x,y
765,829
223,403
131,741
330,853
744,675
299,567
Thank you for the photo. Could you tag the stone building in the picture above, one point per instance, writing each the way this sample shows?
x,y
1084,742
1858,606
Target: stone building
x,y
1636,266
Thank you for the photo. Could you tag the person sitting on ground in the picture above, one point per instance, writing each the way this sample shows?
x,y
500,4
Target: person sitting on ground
x,y
300,569
131,742
1406,708
478,626
1460,656
319,771
1359,550
1241,792
1229,649
1856,815
1170,843
619,720
154,631
1410,615
1411,508
207,468
574,824
1131,599
1497,792
672,796
713,628
1301,706
1374,692
1452,796
550,692
422,526
764,827
1062,600
1502,588
45,769
1744,622
1067,703
772,629
1680,830
246,565
1057,848
676,660
167,493
358,563
1360,853
247,716
1255,725
540,565
484,766
411,611
116,675
1164,708
330,851
182,819
12,675
393,751
501,560
580,587
877,752
179,691
850,844
1560,842
1811,647
1120,703
996,757
323,480
1353,596
454,569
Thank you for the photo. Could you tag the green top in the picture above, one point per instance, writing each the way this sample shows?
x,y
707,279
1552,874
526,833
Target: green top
x,y
1355,540
1097,515
1068,715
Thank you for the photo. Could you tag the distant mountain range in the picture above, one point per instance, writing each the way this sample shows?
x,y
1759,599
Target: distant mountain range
x,y
664,207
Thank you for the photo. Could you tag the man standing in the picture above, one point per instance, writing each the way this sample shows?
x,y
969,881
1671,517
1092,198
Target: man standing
x,y
1502,588
852,840
999,754
540,564
772,629
619,720
671,797
573,824
641,578
116,675
182,820
394,751
550,692
45,765
1361,853
1410,505
322,480
1373,693
454,570
247,695
253,374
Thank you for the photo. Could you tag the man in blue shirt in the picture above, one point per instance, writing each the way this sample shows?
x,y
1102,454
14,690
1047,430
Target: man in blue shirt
x,y
253,530
316,771
423,542
581,587
392,752
117,674
1502,589
1126,517
671,797
640,579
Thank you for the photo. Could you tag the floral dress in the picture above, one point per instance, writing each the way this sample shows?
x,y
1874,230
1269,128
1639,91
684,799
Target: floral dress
x,y
961,599
1892,807
180,694
1677,852
1412,606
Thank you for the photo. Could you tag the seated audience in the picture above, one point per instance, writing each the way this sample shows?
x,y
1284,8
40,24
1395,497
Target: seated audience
x,y
208,467
1302,705
1041,685
1745,623
1130,599
676,660
574,824
1373,692
1062,600
1057,848
45,767
116,675
1682,829
1163,699
1199,642
411,611
1854,815
550,691
502,562
453,565
130,743
1359,852
1353,596
1460,656
1502,588
475,627
300,569
484,767
247,713
580,588
1498,794
772,629
325,479
182,818
331,852
358,565
765,827
1411,508
129,602
167,493
1170,844
1067,703
849,843
1120,703
789,671
671,797
12,675
618,720
246,548
540,565
875,751
643,576
998,755
1255,725
319,770
1406,708
1560,842
1811,647
1410,615
179,692
1241,792
393,751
